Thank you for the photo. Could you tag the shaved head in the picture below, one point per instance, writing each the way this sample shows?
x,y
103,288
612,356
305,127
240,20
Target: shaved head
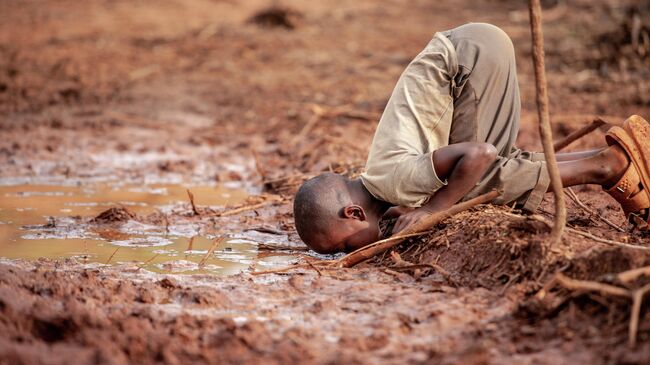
x,y
317,207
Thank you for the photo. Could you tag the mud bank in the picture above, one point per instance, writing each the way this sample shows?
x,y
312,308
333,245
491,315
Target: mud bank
x,y
237,94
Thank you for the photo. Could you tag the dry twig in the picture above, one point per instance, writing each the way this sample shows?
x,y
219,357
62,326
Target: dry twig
x,y
113,254
258,165
246,208
606,241
322,264
191,197
577,200
544,122
270,247
217,241
572,137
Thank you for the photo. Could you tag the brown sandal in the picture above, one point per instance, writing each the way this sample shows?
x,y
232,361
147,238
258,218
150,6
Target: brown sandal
x,y
632,191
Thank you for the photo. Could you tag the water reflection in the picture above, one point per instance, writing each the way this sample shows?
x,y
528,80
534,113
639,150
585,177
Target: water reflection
x,y
27,230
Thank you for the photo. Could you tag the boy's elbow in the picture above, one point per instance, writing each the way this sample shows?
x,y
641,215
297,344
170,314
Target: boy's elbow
x,y
483,153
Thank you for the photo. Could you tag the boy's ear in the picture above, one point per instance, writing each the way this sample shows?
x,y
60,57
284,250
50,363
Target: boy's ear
x,y
354,212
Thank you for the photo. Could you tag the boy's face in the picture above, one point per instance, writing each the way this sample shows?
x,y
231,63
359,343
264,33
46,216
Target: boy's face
x,y
350,234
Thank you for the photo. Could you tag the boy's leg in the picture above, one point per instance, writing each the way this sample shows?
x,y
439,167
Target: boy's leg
x,y
604,168
572,156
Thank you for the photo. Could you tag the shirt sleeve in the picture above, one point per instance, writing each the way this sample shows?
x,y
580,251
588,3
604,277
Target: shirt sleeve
x,y
415,179
416,122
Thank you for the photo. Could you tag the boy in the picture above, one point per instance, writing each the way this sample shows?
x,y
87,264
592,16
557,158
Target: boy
x,y
447,134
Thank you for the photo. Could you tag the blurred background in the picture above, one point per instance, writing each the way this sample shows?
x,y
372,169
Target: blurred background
x,y
254,91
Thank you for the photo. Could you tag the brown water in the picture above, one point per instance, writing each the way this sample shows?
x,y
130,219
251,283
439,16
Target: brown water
x,y
25,211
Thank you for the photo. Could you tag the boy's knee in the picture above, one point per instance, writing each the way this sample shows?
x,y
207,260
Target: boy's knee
x,y
498,44
493,34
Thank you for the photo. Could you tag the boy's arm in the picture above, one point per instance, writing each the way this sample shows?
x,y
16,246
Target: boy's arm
x,y
463,165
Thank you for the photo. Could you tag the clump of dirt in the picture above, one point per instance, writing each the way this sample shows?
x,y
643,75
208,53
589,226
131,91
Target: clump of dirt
x,y
276,17
482,247
113,215
79,318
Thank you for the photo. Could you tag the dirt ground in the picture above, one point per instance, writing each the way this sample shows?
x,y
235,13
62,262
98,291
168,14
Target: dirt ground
x,y
220,90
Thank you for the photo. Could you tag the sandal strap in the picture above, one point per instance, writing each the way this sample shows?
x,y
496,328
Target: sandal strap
x,y
623,192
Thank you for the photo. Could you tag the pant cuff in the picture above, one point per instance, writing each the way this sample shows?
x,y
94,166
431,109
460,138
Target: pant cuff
x,y
534,199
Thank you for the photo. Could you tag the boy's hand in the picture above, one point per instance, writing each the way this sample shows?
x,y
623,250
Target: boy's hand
x,y
409,218
463,165
394,212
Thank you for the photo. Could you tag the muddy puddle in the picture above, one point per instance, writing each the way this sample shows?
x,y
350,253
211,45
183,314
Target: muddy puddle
x,y
47,221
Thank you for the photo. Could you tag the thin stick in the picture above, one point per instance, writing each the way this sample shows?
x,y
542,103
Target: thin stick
x,y
258,165
166,224
269,247
593,286
281,270
189,246
422,225
191,196
544,122
572,137
215,243
318,112
315,268
607,241
246,208
151,259
113,254
637,300
577,200
142,265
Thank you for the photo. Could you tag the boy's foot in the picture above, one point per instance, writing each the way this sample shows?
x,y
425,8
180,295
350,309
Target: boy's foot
x,y
632,191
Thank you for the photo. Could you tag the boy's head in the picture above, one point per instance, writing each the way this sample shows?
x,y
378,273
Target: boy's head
x,y
334,214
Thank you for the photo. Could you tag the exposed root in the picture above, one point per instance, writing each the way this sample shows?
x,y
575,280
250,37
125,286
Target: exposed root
x,y
609,242
632,275
603,289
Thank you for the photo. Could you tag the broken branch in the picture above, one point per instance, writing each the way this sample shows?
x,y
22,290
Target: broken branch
x,y
572,137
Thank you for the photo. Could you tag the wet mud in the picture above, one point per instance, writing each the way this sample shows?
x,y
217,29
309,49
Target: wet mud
x,y
111,111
